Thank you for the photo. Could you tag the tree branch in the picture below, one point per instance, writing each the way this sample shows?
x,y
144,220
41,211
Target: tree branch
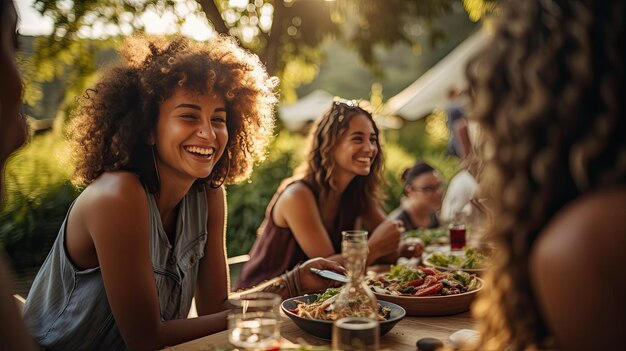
x,y
213,15
270,57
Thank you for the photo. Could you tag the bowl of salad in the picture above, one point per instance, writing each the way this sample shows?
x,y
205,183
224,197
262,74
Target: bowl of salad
x,y
426,291
469,260
311,313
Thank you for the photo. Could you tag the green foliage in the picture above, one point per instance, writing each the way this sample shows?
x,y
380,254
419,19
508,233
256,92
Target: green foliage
x,y
396,160
278,31
38,195
247,201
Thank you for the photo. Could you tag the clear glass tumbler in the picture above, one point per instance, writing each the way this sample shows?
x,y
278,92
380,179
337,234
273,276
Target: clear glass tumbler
x,y
356,334
253,322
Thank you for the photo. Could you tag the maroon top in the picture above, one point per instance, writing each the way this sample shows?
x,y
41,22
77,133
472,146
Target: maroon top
x,y
276,250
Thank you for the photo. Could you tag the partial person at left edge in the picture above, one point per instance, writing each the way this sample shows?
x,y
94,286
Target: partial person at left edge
x,y
13,332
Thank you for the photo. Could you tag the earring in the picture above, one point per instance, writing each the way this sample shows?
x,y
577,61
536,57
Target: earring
x,y
156,169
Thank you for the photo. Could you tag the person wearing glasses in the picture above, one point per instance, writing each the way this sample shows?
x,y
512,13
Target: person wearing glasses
x,y
336,189
423,189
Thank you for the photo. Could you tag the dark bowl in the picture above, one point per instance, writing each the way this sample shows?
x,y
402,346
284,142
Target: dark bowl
x,y
324,329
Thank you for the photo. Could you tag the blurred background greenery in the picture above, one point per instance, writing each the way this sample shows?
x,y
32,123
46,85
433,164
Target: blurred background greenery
x,y
355,49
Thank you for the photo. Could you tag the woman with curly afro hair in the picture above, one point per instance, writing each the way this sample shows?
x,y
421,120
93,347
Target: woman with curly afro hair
x,y
337,189
154,141
549,96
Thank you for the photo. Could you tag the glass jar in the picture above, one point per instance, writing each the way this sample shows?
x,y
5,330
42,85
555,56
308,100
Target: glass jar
x,y
355,299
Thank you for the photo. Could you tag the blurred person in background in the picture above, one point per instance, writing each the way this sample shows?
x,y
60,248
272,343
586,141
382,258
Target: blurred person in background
x,y
459,142
13,332
337,189
463,194
548,93
423,190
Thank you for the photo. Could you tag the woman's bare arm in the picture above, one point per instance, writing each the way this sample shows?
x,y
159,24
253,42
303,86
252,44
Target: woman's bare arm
x,y
385,238
213,287
297,208
111,209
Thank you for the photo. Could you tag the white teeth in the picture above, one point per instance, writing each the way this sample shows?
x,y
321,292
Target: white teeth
x,y
200,150
363,159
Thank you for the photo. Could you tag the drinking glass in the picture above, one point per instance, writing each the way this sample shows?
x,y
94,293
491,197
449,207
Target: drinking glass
x,y
457,229
254,321
355,334
355,298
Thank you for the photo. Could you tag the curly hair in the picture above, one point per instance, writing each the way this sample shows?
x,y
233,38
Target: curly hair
x,y
548,96
320,166
115,118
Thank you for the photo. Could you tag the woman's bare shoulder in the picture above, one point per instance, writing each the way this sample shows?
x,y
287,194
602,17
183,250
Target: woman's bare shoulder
x,y
575,268
295,201
297,189
113,187
590,228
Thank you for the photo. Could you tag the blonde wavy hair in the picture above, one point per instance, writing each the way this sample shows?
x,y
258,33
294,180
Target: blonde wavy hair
x,y
548,94
110,127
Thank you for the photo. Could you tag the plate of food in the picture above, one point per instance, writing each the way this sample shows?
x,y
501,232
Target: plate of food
x,y
309,312
426,291
430,236
469,260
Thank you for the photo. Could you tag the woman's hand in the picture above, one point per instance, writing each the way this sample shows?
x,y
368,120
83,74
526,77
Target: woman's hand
x,y
311,282
385,239
411,247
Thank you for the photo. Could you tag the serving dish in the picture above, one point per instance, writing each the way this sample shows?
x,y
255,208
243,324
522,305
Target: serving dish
x,y
323,329
423,306
427,262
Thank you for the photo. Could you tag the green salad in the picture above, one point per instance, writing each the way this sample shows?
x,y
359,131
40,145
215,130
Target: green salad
x,y
429,235
470,259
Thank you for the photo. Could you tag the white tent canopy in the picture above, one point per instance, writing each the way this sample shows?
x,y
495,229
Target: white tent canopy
x,y
429,91
308,108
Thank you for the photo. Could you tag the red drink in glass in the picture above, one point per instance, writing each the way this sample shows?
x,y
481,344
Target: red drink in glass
x,y
457,237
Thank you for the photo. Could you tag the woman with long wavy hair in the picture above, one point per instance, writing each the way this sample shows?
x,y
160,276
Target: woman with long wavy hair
x,y
548,93
337,189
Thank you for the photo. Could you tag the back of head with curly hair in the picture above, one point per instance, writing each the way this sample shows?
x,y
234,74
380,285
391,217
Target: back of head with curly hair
x,y
320,167
114,119
548,95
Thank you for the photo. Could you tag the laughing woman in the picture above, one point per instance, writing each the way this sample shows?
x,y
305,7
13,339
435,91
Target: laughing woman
x,y
338,190
154,141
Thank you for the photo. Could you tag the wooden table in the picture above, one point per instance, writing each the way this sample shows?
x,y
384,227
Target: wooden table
x,y
402,337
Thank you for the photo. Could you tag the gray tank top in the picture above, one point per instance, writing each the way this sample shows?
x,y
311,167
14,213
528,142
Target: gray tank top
x,y
67,308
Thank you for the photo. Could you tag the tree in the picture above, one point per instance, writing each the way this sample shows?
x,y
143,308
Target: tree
x,y
279,31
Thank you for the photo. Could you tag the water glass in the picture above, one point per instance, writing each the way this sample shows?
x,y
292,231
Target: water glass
x,y
457,230
253,322
356,334
354,251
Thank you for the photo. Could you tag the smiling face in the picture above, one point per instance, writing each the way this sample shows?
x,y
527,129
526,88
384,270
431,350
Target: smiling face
x,y
12,126
357,148
190,135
